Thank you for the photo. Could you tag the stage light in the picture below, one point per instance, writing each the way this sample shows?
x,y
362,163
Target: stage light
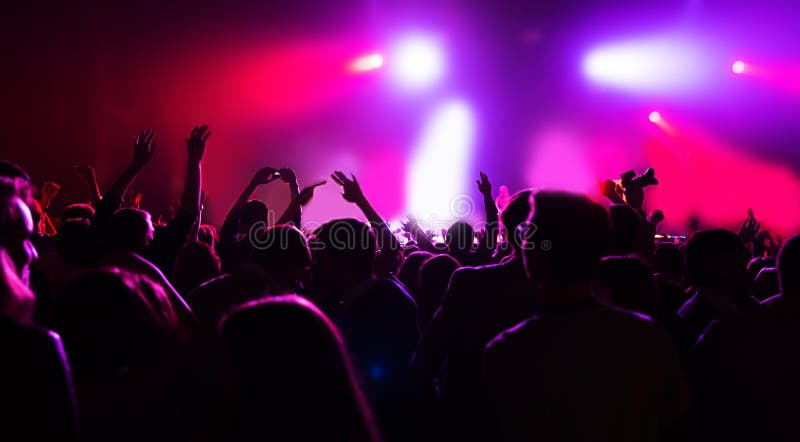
x,y
367,63
655,117
663,64
438,175
737,67
416,62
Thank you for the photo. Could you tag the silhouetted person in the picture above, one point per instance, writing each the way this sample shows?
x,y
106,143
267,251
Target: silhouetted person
x,y
744,368
434,277
716,263
408,274
294,377
578,370
627,282
121,335
195,264
479,303
36,392
279,263
625,225
766,284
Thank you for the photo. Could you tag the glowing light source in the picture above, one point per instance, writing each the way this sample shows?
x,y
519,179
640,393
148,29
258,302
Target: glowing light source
x,y
655,117
438,175
737,67
417,62
366,63
663,64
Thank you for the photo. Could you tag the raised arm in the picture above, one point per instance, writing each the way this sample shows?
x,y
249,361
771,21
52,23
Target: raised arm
x,y
227,232
89,176
294,210
351,191
288,176
489,240
166,246
143,147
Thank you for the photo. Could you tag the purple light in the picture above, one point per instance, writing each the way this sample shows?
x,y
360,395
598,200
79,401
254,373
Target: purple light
x,y
737,67
416,62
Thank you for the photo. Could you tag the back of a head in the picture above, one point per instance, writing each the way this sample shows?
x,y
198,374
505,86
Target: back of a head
x,y
625,225
767,283
73,243
789,267
409,270
112,320
195,264
627,282
346,241
77,212
515,213
434,276
715,258
460,236
12,170
17,224
131,229
294,371
570,237
253,211
282,252
760,262
668,261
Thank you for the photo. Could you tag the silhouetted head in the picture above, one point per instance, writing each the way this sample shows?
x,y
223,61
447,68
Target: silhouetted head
x,y
627,282
16,226
282,253
77,211
112,320
13,171
253,211
434,276
716,260
294,373
131,230
409,270
668,262
515,213
568,240
343,252
459,238
789,267
195,264
625,225
73,243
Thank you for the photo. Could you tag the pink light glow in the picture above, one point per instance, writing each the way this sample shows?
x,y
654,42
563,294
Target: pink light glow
x,y
366,63
737,67
655,117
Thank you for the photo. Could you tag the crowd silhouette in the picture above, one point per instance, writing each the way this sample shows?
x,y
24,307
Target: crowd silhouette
x,y
561,319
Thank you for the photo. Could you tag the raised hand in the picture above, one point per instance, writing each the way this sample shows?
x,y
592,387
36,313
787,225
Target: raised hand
x,y
750,228
612,191
86,172
143,147
196,143
656,217
49,191
137,200
264,176
351,190
287,175
308,192
484,186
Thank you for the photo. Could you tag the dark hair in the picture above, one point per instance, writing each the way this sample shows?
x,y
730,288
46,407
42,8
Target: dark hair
x,y
74,243
252,212
195,264
294,373
409,270
111,320
460,236
789,265
703,253
349,240
77,211
514,214
434,276
280,250
625,225
571,234
627,282
129,229
12,170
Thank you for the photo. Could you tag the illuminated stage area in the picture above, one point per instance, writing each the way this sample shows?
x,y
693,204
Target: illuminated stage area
x,y
416,98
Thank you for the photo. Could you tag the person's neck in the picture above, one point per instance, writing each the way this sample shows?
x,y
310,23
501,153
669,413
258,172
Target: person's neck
x,y
563,295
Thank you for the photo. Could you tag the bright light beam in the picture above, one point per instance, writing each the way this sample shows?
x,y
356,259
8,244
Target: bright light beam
x,y
438,173
366,63
416,62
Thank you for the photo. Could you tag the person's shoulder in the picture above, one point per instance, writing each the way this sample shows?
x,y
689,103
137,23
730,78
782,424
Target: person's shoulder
x,y
29,337
389,288
208,287
513,336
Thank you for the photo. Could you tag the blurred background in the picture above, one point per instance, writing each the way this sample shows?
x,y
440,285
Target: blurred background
x,y
415,98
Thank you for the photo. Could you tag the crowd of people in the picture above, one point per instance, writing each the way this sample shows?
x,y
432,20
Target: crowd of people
x,y
564,319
